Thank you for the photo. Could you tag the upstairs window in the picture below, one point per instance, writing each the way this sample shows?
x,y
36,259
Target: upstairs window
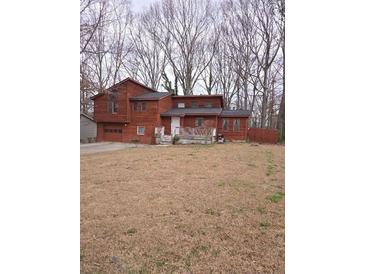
x,y
112,102
236,125
225,124
208,104
143,106
135,106
181,105
198,121
194,104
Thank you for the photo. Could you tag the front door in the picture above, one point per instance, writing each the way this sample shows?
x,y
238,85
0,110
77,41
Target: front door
x,y
175,125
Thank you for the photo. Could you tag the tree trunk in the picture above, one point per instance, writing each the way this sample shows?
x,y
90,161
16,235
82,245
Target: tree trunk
x,y
264,100
281,116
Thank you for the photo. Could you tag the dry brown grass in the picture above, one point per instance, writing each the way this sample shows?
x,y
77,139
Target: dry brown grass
x,y
183,209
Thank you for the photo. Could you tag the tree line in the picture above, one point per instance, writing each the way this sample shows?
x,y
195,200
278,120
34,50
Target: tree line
x,y
231,47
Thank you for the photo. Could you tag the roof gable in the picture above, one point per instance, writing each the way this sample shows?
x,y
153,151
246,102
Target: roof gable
x,y
128,79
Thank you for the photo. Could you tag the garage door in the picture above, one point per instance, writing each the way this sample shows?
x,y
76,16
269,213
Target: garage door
x,y
113,133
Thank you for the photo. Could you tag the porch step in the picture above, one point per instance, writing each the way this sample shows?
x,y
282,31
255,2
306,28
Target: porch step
x,y
166,138
165,143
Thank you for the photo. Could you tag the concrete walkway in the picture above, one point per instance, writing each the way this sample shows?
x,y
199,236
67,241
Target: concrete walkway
x,y
105,146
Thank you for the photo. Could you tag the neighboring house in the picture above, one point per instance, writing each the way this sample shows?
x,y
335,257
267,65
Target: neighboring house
x,y
87,128
130,111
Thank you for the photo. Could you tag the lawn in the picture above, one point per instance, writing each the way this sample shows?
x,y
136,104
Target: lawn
x,y
183,209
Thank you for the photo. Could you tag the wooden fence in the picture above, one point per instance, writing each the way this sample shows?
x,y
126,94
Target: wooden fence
x,y
263,135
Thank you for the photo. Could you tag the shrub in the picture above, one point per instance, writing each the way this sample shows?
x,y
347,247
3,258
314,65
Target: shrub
x,y
175,139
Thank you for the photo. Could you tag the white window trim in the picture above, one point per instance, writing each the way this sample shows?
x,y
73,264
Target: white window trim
x,y
238,123
225,129
138,133
199,118
113,107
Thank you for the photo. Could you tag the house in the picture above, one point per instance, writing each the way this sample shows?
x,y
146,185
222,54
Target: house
x,y
87,128
130,111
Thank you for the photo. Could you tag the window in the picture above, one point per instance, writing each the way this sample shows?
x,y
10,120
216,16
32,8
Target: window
x,y
140,130
198,122
143,106
194,104
112,102
236,125
181,105
225,124
208,104
112,130
135,106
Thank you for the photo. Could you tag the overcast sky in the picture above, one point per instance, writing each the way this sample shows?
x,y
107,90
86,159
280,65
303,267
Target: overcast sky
x,y
138,5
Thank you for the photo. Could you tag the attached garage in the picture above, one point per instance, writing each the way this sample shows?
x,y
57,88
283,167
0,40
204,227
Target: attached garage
x,y
110,133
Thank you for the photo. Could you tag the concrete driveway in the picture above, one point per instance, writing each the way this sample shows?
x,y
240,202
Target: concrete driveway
x,y
105,146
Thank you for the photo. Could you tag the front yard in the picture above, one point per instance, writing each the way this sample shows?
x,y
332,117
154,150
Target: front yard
x,y
183,209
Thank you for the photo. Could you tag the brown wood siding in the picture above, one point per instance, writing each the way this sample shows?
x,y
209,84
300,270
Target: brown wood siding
x,y
166,122
208,121
101,113
229,134
125,91
163,105
149,119
133,90
216,102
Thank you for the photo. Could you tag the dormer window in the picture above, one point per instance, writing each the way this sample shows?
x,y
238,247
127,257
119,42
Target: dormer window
x,y
112,102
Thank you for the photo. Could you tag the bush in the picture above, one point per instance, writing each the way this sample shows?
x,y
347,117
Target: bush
x,y
175,139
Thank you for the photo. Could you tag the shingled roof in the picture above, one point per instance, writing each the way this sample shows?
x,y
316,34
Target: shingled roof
x,y
122,82
235,113
150,96
206,111
192,111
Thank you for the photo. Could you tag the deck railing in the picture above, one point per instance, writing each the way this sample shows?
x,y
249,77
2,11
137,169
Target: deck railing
x,y
197,131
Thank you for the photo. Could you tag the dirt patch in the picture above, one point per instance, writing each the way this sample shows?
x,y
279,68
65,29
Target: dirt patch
x,y
183,209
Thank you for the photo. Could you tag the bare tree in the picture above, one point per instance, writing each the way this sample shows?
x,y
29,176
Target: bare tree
x,y
91,16
225,74
148,61
120,44
281,115
187,25
265,46
108,47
